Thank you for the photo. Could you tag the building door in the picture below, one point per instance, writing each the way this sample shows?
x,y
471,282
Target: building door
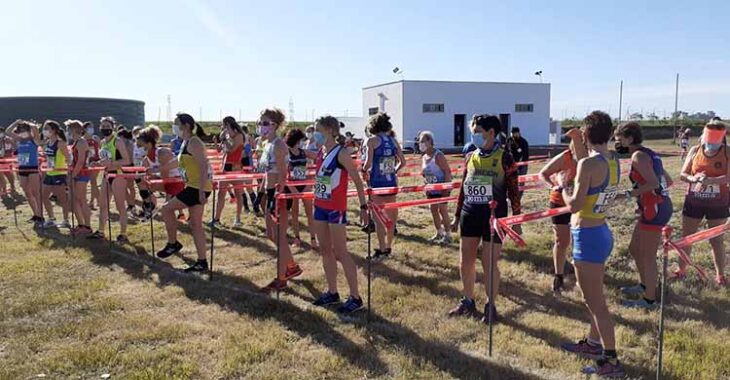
x,y
459,121
505,119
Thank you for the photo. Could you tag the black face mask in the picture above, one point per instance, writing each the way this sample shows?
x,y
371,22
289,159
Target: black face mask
x,y
620,149
106,132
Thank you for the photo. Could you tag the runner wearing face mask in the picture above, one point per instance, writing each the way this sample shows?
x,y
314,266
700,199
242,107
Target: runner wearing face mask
x,y
489,174
26,137
54,182
650,187
6,151
435,169
93,157
706,171
383,161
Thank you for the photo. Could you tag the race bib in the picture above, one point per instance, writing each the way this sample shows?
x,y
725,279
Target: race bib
x,y
664,186
706,191
51,163
105,154
24,159
478,189
605,198
387,165
183,175
430,179
323,187
299,173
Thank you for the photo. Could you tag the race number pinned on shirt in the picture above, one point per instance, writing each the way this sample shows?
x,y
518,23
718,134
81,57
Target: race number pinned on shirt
x,y
105,154
183,174
323,187
478,189
387,165
605,198
24,159
706,191
299,173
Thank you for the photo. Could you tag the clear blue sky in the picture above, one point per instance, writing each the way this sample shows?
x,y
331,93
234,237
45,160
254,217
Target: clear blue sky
x,y
245,55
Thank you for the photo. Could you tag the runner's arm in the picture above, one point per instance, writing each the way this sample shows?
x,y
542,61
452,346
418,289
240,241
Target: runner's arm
x,y
345,160
460,201
444,166
685,175
582,181
555,165
642,163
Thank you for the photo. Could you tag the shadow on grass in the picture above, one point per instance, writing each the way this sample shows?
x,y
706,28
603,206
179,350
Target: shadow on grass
x,y
243,297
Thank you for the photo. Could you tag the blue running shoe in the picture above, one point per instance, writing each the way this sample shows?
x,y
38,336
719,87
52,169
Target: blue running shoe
x,y
327,298
351,305
466,306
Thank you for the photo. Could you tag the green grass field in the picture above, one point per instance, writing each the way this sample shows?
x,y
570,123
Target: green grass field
x,y
74,309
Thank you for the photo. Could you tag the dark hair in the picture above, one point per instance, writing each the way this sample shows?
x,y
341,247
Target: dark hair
x,y
231,122
599,127
487,122
56,128
196,128
150,135
125,134
244,129
379,123
631,129
515,129
88,124
275,115
293,137
331,123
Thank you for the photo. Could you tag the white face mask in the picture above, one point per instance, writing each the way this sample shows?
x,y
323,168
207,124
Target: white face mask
x,y
422,146
90,131
309,135
46,134
176,130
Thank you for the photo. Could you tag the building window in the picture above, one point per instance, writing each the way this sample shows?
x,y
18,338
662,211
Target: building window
x,y
433,107
373,111
524,107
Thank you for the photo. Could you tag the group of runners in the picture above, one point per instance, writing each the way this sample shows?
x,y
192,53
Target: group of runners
x,y
57,162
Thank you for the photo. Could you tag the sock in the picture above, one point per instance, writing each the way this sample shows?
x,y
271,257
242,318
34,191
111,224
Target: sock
x,y
593,342
650,302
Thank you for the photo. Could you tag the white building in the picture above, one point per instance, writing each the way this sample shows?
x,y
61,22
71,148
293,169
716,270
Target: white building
x,y
446,108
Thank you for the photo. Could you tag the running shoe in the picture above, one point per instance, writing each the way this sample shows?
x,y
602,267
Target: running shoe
x,y
50,223
640,304
81,230
495,316
604,368
181,217
97,235
292,271
131,212
297,242
214,223
64,224
122,239
313,243
445,240
274,286
169,250
327,298
678,275
435,238
558,284
466,306
720,280
199,266
635,290
53,198
237,223
584,349
351,305
368,228
380,256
